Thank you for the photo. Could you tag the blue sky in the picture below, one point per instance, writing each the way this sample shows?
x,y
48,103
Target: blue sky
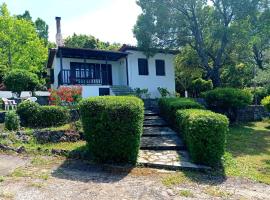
x,y
108,20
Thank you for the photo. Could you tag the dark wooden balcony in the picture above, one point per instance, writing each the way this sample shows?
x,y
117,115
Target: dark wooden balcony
x,y
66,78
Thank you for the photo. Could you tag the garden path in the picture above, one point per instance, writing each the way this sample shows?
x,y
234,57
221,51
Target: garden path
x,y
161,147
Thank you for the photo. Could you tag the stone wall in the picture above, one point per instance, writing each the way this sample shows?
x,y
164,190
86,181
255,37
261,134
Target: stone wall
x,y
252,113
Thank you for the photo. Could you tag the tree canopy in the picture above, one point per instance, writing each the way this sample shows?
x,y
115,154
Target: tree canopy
x,y
89,41
20,45
217,30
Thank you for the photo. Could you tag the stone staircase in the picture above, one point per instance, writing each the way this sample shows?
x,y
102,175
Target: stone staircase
x,y
121,90
161,147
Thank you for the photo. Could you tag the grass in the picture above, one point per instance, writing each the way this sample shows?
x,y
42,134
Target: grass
x,y
248,152
216,192
247,156
186,193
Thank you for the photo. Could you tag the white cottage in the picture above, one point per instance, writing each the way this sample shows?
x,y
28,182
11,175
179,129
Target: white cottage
x,y
102,72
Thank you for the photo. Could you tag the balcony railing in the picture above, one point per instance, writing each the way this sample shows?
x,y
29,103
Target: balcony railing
x,y
65,78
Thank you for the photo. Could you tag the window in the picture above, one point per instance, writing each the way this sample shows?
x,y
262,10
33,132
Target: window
x,y
143,66
160,67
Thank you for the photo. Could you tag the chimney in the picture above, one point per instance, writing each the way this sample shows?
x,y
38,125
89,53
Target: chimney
x,y
59,38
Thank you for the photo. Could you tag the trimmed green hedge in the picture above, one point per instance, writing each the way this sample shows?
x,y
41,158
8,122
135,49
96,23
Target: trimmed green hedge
x,y
113,127
12,121
35,116
169,106
204,133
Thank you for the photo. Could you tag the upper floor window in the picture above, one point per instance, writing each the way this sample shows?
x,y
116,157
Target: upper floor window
x,y
160,68
143,66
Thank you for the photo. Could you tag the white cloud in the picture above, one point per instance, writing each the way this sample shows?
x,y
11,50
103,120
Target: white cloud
x,y
113,22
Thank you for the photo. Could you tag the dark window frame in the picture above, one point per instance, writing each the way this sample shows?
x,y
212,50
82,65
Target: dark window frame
x,y
160,71
143,70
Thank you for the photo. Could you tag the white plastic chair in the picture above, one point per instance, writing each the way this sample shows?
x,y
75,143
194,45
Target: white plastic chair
x,y
9,104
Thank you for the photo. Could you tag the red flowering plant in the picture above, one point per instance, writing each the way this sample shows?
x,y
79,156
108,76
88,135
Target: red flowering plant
x,y
65,96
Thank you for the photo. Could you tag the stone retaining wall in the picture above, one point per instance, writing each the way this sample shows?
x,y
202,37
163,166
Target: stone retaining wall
x,y
252,113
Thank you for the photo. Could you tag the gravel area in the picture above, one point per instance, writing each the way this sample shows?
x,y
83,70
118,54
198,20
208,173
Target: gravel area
x,y
68,180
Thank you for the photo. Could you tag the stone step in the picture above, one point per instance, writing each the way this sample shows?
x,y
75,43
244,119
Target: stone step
x,y
157,131
150,113
155,123
168,142
152,117
172,160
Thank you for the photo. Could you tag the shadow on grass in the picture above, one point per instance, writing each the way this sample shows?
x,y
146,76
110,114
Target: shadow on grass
x,y
80,167
248,140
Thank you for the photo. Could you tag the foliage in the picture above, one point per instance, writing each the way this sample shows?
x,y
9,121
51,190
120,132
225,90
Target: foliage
x,y
113,127
163,92
26,111
204,133
65,95
258,93
18,80
142,93
36,116
199,85
228,100
169,106
266,102
210,29
12,121
89,41
20,45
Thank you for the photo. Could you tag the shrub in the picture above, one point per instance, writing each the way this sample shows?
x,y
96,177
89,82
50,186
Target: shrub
x,y
49,116
169,106
228,100
27,111
36,116
163,92
66,96
266,103
204,133
12,121
19,80
259,93
113,127
199,85
142,93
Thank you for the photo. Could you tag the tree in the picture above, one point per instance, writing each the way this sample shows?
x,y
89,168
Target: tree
x,y
18,80
88,41
207,28
42,29
26,16
20,46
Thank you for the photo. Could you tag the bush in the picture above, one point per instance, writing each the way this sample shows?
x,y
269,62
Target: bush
x,y
204,133
19,80
163,92
228,100
12,121
259,93
27,111
199,85
266,103
36,116
169,106
113,127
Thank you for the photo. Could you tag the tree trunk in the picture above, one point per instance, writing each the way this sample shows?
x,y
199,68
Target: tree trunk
x,y
215,77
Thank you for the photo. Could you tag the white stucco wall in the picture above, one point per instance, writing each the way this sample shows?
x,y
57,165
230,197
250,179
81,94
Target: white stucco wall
x,y
151,81
91,91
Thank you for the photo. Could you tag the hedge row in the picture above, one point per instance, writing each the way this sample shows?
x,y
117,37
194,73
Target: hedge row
x,y
204,133
35,116
169,106
113,127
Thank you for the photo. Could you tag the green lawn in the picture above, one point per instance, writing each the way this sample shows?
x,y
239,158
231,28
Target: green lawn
x,y
248,151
